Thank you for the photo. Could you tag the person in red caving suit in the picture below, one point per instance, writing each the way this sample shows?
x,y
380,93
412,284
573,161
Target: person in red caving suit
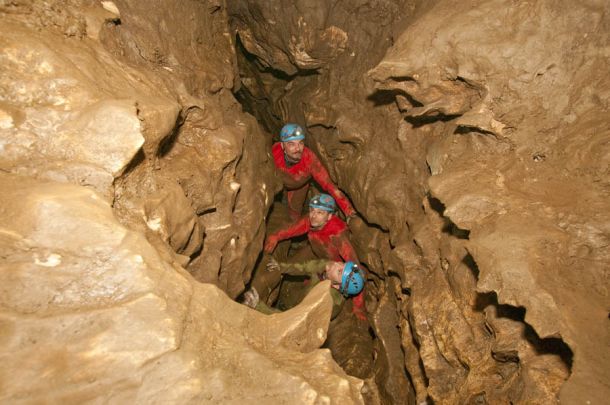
x,y
328,236
297,166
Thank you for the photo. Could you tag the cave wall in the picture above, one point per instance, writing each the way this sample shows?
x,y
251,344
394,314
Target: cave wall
x,y
473,139
129,172
165,84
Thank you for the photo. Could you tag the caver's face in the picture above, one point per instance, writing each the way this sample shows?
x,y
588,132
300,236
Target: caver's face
x,y
318,217
334,273
293,149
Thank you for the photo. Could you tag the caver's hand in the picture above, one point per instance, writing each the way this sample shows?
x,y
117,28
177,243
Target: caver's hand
x,y
251,298
273,265
355,223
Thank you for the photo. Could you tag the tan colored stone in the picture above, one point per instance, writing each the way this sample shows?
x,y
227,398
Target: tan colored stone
x,y
478,145
90,312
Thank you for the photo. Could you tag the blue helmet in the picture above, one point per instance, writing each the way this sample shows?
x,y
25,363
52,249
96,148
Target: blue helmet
x,y
352,281
291,132
323,202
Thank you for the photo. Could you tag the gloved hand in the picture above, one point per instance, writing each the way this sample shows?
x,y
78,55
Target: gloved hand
x,y
355,223
251,298
273,265
270,244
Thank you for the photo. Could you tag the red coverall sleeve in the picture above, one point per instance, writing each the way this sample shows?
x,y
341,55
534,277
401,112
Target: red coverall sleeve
x,y
320,175
298,228
346,250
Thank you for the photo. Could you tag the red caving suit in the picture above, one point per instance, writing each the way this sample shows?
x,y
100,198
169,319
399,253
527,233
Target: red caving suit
x,y
330,242
296,180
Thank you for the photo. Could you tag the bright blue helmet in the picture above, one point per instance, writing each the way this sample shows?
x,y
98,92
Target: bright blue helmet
x,y
352,280
323,202
292,132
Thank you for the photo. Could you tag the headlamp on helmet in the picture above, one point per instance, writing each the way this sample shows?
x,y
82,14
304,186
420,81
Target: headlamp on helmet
x,y
292,132
324,202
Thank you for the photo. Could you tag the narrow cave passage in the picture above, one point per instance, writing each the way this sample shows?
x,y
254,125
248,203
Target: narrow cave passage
x,y
140,189
412,256
351,339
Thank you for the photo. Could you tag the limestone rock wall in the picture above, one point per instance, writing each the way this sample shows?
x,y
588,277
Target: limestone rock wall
x,y
125,160
477,151
91,312
167,93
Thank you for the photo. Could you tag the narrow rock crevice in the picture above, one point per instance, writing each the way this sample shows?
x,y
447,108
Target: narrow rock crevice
x,y
471,138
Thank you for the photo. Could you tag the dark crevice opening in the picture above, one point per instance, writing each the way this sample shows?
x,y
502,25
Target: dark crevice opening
x,y
169,141
550,345
422,120
468,260
449,227
263,106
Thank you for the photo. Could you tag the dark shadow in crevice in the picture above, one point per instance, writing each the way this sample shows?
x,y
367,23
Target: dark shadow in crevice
x,y
260,106
382,97
465,129
404,290
135,162
483,300
422,120
454,230
468,260
112,21
542,346
168,142
372,333
449,227
374,225
197,253
509,311
254,105
551,345
399,79
388,96
436,205
207,211
279,74
252,58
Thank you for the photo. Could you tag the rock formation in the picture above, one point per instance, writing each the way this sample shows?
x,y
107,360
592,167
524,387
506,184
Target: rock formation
x,y
91,312
476,149
123,111
472,137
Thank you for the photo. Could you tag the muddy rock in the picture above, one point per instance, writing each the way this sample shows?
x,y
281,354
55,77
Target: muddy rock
x,y
472,138
471,141
47,90
94,113
512,210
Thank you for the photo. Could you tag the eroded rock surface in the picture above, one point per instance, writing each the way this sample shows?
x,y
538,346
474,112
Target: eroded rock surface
x,y
90,311
471,136
125,160
77,108
478,149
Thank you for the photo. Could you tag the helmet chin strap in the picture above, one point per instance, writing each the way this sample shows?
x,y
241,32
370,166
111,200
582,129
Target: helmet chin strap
x,y
350,279
289,160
